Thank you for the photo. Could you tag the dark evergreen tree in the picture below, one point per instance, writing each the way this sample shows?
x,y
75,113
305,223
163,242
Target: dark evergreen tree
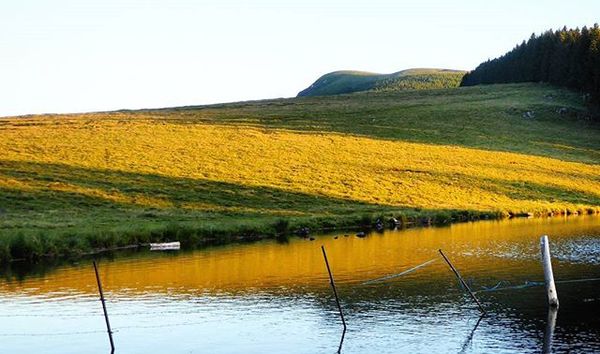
x,y
566,57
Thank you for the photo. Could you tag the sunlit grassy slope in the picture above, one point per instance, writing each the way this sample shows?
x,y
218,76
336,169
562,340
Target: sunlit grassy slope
x,y
73,182
339,82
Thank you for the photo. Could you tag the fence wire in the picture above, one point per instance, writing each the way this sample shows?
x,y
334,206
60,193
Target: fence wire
x,y
500,286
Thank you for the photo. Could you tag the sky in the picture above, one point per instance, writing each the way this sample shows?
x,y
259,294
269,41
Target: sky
x,y
60,56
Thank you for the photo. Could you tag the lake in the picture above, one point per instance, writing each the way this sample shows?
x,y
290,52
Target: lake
x,y
275,297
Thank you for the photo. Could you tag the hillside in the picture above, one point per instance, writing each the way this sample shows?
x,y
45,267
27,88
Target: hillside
x,y
339,82
566,57
72,183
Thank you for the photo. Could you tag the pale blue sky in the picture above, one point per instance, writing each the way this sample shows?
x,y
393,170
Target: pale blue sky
x,y
90,55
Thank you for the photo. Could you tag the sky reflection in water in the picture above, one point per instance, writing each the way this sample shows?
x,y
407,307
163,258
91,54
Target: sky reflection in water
x,y
273,297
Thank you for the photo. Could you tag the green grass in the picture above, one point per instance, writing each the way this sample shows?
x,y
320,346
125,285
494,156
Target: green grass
x,y
486,117
42,221
47,223
340,82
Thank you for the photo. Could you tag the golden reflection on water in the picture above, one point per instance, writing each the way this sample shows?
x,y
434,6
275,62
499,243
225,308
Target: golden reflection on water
x,y
509,246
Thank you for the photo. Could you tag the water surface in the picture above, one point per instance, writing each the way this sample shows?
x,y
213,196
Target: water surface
x,y
275,297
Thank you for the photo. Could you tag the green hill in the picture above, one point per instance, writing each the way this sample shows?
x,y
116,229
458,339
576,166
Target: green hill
x,y
339,82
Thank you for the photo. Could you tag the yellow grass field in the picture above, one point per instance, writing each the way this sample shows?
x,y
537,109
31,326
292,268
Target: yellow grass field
x,y
390,173
71,184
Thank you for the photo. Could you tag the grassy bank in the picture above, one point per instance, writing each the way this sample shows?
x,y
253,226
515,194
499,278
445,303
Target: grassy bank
x,y
73,183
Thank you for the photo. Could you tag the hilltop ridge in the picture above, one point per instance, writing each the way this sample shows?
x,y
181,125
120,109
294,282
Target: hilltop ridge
x,y
349,81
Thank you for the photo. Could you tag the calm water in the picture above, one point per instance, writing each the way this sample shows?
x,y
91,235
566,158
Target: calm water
x,y
274,297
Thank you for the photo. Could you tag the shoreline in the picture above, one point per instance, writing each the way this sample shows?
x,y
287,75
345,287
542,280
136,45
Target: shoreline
x,y
36,248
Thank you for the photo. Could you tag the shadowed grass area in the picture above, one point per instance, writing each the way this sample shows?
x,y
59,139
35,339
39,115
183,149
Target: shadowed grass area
x,y
50,221
73,183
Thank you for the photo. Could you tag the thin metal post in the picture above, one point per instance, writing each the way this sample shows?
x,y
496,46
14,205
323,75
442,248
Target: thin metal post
x,y
470,337
332,282
112,344
462,282
339,351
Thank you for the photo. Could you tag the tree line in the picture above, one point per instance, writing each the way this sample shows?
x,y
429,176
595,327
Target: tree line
x,y
421,81
566,57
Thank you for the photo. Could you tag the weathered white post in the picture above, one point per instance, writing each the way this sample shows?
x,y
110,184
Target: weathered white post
x,y
548,275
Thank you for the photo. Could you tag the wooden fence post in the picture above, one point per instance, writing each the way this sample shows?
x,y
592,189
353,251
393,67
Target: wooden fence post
x,y
548,274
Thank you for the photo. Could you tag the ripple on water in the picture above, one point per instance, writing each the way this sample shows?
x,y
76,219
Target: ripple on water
x,y
581,251
584,250
506,250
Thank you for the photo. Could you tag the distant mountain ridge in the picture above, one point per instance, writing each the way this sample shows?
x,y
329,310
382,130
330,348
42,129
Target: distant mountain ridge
x,y
348,81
